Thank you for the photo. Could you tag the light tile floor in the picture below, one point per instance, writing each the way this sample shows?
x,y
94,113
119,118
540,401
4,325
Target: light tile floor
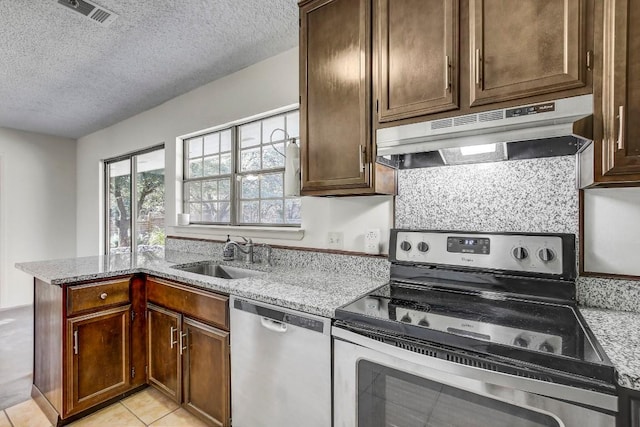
x,y
146,408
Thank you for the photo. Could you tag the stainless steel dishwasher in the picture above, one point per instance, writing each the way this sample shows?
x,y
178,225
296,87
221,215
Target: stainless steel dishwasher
x,y
280,367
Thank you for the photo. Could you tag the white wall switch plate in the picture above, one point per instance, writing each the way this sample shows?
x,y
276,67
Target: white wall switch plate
x,y
335,240
372,241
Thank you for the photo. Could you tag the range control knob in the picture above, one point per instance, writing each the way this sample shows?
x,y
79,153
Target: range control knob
x,y
520,253
546,255
405,246
406,318
424,322
423,247
521,342
546,347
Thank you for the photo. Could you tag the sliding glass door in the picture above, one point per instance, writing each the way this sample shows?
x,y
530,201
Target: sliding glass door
x,y
134,217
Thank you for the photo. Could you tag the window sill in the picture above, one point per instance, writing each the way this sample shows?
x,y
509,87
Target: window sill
x,y
207,231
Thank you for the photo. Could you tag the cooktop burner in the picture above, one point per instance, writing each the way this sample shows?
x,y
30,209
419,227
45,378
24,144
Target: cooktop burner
x,y
506,296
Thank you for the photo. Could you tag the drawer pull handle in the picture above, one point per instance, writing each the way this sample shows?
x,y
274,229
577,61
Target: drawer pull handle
x,y
103,296
75,342
171,341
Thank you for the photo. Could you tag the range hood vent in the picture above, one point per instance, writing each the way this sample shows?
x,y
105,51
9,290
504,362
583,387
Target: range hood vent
x,y
563,117
91,11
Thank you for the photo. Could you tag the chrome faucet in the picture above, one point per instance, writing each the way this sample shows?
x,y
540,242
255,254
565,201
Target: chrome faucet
x,y
246,248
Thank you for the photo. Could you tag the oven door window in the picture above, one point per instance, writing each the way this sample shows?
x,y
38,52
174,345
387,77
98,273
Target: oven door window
x,y
391,398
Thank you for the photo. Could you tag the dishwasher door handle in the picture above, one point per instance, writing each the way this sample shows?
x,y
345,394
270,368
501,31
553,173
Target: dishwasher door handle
x,y
273,325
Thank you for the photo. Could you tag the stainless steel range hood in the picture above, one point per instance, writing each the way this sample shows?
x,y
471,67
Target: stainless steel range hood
x,y
563,117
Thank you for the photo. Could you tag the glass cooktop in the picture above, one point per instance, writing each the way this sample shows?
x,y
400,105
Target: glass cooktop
x,y
550,335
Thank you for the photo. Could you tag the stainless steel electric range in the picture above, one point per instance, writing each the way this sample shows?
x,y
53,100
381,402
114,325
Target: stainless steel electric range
x,y
474,329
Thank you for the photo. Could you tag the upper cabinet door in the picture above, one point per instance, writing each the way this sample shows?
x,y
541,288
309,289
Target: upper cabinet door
x,y
525,48
621,88
335,80
417,48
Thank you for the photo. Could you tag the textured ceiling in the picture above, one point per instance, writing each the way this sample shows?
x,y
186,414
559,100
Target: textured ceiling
x,y
62,74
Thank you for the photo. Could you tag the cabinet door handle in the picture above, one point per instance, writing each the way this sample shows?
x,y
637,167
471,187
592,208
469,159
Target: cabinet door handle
x,y
620,141
75,342
182,340
447,74
362,154
103,296
171,341
477,64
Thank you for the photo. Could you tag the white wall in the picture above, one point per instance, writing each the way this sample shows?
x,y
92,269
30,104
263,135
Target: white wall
x,y
265,86
612,231
37,207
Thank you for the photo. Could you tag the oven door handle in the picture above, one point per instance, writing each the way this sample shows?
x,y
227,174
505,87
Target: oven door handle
x,y
558,391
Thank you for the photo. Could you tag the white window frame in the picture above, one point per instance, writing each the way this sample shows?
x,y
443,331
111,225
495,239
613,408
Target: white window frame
x,y
131,157
236,174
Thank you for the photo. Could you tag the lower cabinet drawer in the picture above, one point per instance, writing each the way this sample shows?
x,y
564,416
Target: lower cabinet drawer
x,y
97,295
205,306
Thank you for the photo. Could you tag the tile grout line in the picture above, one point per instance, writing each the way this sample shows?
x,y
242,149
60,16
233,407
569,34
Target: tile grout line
x,y
147,425
133,413
6,414
166,415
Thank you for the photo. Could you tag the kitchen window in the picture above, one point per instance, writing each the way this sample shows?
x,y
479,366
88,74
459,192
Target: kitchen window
x,y
135,184
235,175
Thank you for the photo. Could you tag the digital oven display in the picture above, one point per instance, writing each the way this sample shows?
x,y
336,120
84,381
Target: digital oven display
x,y
469,245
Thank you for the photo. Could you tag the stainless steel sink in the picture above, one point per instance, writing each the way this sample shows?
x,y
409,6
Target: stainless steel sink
x,y
214,269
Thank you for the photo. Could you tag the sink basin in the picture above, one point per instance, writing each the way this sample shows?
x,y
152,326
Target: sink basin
x,y
214,269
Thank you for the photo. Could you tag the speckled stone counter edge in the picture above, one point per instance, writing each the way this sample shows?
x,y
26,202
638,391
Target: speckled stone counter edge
x,y
617,333
311,284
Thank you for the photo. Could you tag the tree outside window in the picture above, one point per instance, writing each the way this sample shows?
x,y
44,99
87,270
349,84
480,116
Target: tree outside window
x,y
147,201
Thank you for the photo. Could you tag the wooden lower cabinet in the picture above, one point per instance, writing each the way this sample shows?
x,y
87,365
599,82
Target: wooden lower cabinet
x,y
189,362
89,345
206,372
164,372
97,357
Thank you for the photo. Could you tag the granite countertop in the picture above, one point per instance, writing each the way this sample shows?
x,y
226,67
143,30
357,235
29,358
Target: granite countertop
x,y
618,332
312,291
309,291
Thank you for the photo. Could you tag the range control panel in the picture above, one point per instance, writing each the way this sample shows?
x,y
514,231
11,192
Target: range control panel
x,y
513,252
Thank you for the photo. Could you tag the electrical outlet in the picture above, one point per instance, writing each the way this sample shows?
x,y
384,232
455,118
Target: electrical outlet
x,y
372,241
335,240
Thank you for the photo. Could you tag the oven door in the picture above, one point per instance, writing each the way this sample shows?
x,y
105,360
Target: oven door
x,y
380,385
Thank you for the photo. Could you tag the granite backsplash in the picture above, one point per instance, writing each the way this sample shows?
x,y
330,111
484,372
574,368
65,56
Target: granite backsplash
x,y
536,195
375,267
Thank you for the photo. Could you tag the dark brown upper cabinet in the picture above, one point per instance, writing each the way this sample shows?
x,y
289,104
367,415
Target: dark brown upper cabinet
x,y
417,49
337,153
524,48
621,90
613,159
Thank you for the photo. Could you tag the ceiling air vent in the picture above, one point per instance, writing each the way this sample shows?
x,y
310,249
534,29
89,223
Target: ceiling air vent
x,y
91,11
